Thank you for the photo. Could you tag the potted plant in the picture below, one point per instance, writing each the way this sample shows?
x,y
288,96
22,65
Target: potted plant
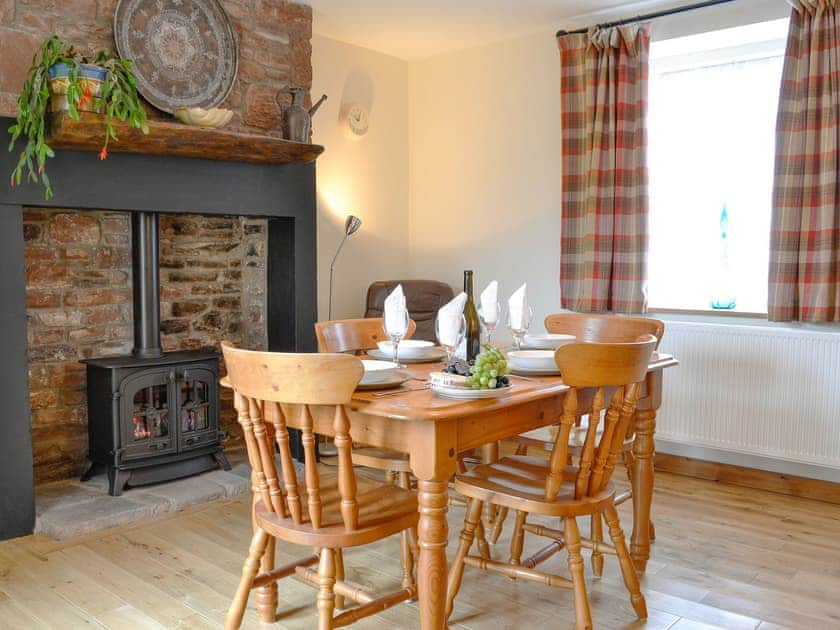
x,y
61,78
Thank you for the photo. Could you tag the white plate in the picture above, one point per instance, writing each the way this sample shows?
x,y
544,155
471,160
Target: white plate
x,y
469,394
547,341
439,354
396,380
532,359
378,371
408,349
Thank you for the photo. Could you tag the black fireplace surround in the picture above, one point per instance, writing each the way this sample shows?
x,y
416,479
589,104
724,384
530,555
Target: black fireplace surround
x,y
283,193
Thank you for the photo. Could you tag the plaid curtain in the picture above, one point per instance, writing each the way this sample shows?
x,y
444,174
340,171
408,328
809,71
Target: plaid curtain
x,y
603,243
805,235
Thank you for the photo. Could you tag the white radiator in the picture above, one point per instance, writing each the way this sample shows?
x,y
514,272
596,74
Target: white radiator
x,y
757,396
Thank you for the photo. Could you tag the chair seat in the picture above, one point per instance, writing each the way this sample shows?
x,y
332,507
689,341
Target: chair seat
x,y
384,509
381,459
544,438
518,482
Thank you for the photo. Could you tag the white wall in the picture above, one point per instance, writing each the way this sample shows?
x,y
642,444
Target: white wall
x,y
485,156
366,176
485,167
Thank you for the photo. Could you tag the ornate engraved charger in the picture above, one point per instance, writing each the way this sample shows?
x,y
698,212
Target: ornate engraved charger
x,y
184,51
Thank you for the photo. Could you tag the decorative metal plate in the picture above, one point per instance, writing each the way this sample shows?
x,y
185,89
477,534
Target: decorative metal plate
x,y
184,51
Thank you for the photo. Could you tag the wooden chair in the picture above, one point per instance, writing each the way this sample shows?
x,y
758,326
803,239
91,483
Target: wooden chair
x,y
589,327
532,485
274,391
355,336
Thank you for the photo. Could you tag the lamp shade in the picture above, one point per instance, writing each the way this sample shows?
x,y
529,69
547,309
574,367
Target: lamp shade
x,y
351,224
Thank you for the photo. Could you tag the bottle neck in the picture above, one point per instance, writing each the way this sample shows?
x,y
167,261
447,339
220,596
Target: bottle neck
x,y
468,284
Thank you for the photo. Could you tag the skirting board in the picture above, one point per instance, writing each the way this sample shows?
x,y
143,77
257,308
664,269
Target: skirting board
x,y
751,471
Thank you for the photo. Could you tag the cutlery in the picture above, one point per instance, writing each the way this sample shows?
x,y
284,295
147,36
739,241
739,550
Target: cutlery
x,y
400,391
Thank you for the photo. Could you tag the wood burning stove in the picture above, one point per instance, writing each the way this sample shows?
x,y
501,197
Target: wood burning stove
x,y
152,416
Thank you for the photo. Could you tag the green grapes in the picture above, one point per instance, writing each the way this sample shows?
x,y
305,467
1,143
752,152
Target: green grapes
x,y
489,370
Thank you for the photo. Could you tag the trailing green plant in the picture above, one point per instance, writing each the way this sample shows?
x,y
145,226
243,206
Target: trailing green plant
x,y
117,99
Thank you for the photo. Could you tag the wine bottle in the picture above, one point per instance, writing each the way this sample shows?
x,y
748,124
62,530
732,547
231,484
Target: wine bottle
x,y
473,334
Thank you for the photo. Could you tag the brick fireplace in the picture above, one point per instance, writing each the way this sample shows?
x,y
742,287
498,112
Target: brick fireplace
x,y
78,297
237,243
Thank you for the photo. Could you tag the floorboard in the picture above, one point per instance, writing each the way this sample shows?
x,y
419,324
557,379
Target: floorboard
x,y
725,557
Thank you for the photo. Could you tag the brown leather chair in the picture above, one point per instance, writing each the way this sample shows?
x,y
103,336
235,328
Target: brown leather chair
x,y
423,299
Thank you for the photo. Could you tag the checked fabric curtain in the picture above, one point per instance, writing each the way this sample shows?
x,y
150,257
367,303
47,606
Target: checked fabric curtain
x,y
804,283
604,222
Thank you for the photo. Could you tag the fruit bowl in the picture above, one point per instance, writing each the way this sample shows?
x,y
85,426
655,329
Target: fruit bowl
x,y
200,117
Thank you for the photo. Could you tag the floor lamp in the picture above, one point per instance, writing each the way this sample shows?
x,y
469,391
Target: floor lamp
x,y
351,226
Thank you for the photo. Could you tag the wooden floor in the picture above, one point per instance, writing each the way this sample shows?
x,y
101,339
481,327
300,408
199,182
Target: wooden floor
x,y
725,557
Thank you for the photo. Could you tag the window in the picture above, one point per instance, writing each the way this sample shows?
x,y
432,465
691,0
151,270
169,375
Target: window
x,y
711,120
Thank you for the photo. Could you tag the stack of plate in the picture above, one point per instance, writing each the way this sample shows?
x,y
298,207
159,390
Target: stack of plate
x,y
381,375
409,351
534,362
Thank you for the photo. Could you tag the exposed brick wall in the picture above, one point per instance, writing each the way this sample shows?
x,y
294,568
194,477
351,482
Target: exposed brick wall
x,y
273,35
78,292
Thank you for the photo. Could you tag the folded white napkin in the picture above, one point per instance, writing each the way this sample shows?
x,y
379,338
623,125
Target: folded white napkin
x,y
490,303
394,311
449,319
518,308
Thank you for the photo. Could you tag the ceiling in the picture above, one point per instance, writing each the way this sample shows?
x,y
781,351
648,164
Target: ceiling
x,y
415,29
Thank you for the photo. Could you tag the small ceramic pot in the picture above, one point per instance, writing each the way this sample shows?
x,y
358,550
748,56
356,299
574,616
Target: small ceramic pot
x,y
90,77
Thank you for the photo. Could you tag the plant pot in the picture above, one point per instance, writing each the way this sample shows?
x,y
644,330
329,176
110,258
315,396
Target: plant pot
x,y
91,78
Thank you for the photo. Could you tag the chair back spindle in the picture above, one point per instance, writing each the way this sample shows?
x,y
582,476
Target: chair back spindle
x,y
275,391
602,366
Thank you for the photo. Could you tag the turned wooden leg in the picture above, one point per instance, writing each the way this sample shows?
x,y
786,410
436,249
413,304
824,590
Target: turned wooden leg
x,y
267,595
390,477
432,533
490,454
406,552
249,571
481,539
628,571
583,618
456,571
643,448
339,575
596,531
497,526
326,595
518,539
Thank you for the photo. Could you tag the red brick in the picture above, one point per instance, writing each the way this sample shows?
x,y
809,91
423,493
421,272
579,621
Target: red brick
x,y
46,275
75,253
76,8
88,334
107,314
45,337
261,109
95,297
61,317
39,376
42,399
38,252
16,51
67,375
73,397
42,299
75,227
7,11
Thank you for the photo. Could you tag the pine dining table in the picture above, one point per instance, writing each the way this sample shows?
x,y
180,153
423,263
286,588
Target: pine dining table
x,y
433,430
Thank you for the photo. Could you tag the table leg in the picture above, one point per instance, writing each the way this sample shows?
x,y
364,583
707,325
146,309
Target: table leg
x,y
643,452
432,532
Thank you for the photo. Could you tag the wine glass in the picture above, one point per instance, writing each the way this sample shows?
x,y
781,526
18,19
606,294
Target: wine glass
x,y
519,333
396,326
490,319
454,337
